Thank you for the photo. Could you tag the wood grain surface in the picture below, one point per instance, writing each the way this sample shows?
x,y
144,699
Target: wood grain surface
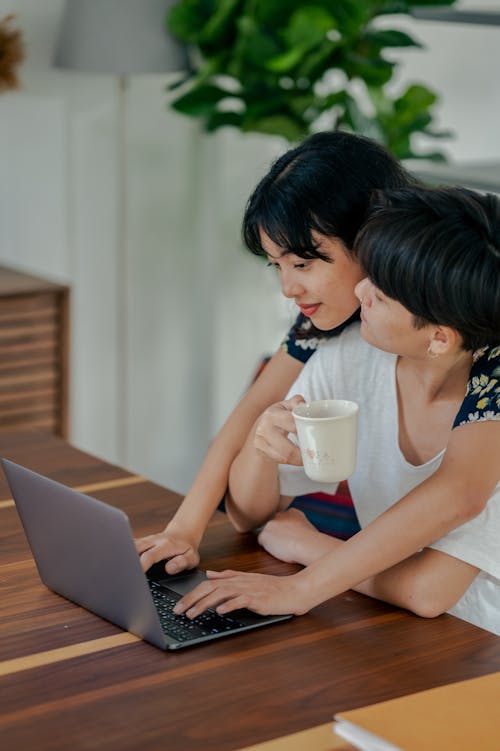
x,y
69,679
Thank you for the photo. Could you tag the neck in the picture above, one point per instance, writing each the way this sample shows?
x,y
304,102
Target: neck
x,y
440,377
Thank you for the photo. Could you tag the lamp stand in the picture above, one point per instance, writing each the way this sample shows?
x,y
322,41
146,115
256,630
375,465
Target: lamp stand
x,y
122,275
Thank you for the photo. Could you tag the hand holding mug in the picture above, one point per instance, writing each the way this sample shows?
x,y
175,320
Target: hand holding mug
x,y
272,430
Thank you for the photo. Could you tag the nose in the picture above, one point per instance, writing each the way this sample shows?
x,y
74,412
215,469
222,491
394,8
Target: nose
x,y
361,290
290,284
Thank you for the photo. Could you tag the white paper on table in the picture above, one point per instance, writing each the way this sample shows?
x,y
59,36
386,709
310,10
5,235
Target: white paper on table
x,y
362,739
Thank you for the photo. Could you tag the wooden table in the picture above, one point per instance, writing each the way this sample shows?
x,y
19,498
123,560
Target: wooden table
x,y
71,680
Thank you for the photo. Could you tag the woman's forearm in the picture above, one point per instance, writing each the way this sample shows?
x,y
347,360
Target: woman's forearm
x,y
253,493
209,485
211,481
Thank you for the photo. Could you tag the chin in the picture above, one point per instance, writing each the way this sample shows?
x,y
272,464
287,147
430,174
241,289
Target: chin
x,y
322,326
373,342
329,324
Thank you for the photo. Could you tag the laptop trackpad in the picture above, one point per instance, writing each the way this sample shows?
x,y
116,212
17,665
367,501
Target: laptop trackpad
x,y
181,583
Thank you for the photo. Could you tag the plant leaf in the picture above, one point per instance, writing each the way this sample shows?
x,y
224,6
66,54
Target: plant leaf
x,y
254,46
352,15
277,125
308,27
187,19
318,60
200,100
287,61
374,71
391,38
222,119
219,24
301,103
359,121
416,97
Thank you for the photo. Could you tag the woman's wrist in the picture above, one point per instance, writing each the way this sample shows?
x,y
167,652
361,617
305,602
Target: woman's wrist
x,y
180,529
307,593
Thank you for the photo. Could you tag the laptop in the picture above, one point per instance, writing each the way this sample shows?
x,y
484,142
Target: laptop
x,y
84,550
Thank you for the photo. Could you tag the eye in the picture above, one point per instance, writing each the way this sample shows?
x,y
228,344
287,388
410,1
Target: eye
x,y
272,265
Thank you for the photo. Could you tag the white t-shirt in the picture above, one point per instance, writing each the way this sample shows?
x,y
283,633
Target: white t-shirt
x,y
346,367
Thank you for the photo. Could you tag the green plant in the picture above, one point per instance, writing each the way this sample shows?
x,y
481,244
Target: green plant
x,y
287,67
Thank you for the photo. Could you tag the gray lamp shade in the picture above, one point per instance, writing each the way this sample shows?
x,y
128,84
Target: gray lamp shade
x,y
123,37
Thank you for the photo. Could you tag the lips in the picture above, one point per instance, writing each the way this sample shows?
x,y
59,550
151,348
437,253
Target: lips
x,y
309,310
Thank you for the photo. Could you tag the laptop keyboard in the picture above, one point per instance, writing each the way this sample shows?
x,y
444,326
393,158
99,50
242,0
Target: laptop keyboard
x,y
182,628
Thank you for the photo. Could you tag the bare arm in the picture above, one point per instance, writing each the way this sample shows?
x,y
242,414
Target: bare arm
x,y
180,539
427,583
456,493
254,493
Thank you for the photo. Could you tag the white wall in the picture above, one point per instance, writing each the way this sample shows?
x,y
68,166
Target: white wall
x,y
199,310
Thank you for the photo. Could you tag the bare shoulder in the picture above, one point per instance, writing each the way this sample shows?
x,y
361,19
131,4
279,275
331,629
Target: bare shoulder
x,y
471,462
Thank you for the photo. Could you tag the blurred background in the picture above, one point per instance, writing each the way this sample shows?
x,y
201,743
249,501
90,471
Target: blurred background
x,y
108,190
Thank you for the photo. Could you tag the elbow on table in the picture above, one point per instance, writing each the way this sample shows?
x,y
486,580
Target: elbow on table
x,y
427,608
425,600
240,522
242,526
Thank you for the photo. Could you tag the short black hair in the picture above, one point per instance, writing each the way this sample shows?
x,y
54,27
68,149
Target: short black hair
x,y
437,252
324,186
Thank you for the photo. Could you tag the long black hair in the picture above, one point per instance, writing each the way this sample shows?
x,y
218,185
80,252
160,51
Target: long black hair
x,y
437,252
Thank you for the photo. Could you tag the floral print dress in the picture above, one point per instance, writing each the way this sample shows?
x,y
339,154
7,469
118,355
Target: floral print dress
x,y
482,399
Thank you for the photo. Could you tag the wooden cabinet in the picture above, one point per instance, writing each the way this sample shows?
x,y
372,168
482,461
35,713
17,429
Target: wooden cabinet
x,y
34,353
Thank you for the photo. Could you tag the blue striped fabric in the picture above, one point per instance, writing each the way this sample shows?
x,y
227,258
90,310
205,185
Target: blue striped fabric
x,y
332,514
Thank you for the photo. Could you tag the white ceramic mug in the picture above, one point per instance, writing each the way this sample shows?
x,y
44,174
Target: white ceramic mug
x,y
327,431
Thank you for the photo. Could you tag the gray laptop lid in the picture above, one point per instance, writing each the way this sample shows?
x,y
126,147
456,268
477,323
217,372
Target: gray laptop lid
x,y
84,550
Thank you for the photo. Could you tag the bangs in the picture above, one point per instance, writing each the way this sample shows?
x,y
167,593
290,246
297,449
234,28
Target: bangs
x,y
287,223
283,208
